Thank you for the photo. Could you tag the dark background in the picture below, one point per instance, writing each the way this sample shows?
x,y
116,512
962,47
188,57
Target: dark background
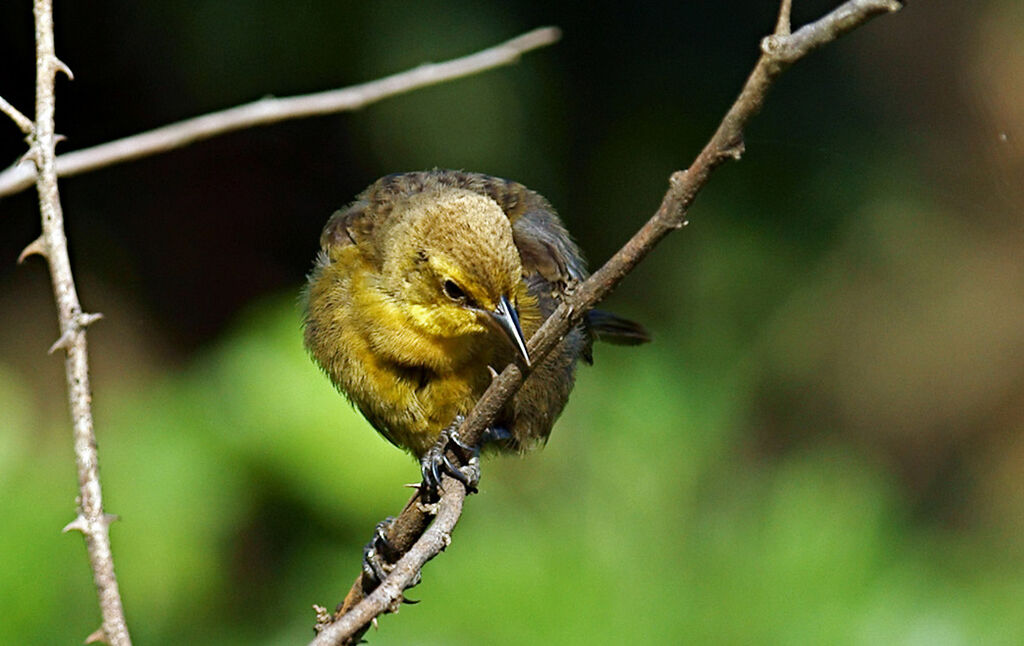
x,y
823,445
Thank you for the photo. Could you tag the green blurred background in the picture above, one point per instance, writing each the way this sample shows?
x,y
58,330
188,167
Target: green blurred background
x,y
822,446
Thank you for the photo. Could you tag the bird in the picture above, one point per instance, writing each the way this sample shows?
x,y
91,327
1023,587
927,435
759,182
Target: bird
x,y
426,286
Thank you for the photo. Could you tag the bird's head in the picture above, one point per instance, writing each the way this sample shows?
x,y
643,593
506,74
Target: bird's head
x,y
451,265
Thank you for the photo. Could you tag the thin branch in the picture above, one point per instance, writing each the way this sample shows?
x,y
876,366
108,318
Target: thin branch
x,y
779,50
91,520
24,123
388,595
783,25
272,110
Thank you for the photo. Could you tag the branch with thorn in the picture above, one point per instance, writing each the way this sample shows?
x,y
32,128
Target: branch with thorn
x,y
409,532
41,165
91,520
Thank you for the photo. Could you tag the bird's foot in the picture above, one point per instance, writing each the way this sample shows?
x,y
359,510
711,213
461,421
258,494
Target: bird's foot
x,y
437,461
379,556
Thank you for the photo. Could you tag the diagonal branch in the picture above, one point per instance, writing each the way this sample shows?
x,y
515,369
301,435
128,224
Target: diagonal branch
x,y
272,110
24,123
778,52
52,244
387,596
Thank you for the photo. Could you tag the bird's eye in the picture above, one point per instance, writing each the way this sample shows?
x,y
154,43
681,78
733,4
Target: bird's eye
x,y
453,291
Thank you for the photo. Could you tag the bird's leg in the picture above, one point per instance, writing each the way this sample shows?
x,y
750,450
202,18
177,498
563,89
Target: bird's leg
x,y
436,461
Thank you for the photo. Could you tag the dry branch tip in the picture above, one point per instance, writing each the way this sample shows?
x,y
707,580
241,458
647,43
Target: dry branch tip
x,y
323,618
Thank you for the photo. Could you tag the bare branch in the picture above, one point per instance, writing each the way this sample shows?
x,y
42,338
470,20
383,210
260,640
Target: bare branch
x,y
24,123
272,110
91,520
783,25
778,52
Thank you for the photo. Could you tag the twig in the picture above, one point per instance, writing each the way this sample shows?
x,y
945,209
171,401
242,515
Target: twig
x,y
272,110
24,123
387,596
52,244
779,51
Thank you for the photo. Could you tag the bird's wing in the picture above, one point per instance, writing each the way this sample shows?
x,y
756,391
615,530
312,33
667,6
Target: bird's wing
x,y
365,218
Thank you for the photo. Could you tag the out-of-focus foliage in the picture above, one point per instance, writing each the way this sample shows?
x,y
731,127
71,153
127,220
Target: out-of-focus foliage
x,y
246,487
823,445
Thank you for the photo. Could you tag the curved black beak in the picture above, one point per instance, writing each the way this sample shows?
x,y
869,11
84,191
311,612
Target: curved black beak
x,y
508,320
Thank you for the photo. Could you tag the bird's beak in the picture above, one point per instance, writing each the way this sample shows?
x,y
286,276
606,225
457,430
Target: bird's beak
x,y
508,320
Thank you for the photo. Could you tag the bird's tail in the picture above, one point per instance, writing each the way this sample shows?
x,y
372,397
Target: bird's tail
x,y
611,328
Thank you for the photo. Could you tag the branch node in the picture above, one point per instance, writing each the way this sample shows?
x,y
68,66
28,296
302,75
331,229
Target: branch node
x,y
31,155
85,320
774,46
98,636
735,152
35,248
323,618
79,524
428,508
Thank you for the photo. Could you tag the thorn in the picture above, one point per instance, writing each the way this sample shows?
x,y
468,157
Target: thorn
x,y
412,485
494,373
57,138
30,156
64,342
109,519
97,636
36,247
374,622
78,524
85,320
62,67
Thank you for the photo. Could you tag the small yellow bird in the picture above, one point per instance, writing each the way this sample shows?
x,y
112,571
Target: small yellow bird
x,y
427,280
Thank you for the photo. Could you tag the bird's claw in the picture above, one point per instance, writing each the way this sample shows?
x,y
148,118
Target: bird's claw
x,y
436,462
376,562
